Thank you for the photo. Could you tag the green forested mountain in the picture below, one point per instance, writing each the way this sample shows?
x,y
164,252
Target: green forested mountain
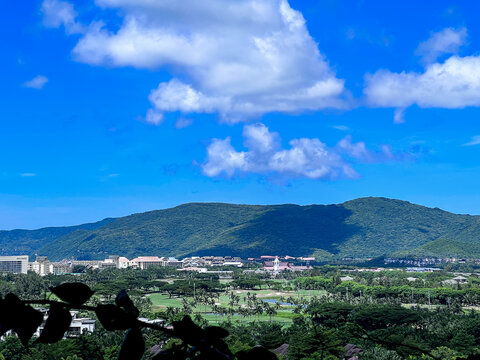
x,y
26,242
359,228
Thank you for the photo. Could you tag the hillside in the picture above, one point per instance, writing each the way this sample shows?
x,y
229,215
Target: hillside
x,y
360,228
23,242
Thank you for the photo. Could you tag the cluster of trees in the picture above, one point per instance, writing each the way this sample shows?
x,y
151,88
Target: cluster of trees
x,y
365,312
318,331
394,287
31,285
188,340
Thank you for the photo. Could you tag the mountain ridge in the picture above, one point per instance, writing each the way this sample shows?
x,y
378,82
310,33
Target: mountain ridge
x,y
363,227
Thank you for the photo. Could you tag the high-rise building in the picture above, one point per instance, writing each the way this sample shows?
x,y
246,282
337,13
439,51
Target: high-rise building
x,y
14,264
41,266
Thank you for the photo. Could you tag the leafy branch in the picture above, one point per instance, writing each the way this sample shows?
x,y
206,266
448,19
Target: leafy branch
x,y
196,343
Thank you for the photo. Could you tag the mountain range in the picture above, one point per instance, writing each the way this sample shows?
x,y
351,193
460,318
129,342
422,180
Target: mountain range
x,y
360,228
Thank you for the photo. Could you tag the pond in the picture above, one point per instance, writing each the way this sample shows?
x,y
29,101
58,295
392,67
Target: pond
x,y
274,301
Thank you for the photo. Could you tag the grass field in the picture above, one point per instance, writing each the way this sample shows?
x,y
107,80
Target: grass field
x,y
284,314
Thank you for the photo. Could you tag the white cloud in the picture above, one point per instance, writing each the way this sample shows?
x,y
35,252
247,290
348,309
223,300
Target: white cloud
x,y
240,59
452,84
308,158
182,122
360,152
341,127
474,141
357,150
447,41
57,13
222,157
154,117
36,83
28,175
399,116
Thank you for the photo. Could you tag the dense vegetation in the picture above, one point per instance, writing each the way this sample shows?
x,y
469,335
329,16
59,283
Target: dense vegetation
x,y
376,314
25,242
366,227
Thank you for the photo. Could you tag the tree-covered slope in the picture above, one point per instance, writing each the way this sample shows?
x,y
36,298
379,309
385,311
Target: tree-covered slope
x,y
360,228
388,226
26,242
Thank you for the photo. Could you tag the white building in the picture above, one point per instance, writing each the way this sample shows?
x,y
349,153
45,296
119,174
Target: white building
x,y
42,266
144,262
77,327
233,263
456,280
14,264
61,268
107,263
122,262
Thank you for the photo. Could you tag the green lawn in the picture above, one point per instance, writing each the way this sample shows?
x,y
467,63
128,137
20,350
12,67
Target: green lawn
x,y
161,301
285,314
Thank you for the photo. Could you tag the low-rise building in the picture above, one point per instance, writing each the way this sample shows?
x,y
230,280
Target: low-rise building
x,y
233,263
62,267
144,262
107,263
77,327
276,266
456,280
171,261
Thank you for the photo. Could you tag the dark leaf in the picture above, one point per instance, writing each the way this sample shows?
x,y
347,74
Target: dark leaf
x,y
176,352
124,301
133,346
113,317
74,293
9,307
222,347
22,319
216,332
188,331
256,353
26,323
56,325
214,336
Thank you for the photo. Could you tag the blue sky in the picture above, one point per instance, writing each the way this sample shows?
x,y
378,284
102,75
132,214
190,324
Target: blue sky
x,y
111,107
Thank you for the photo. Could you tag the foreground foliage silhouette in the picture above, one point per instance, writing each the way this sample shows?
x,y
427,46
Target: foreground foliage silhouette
x,y
196,342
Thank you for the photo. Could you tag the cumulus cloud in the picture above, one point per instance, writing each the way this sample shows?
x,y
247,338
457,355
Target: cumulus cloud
x,y
452,84
307,158
57,13
238,59
447,41
37,82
